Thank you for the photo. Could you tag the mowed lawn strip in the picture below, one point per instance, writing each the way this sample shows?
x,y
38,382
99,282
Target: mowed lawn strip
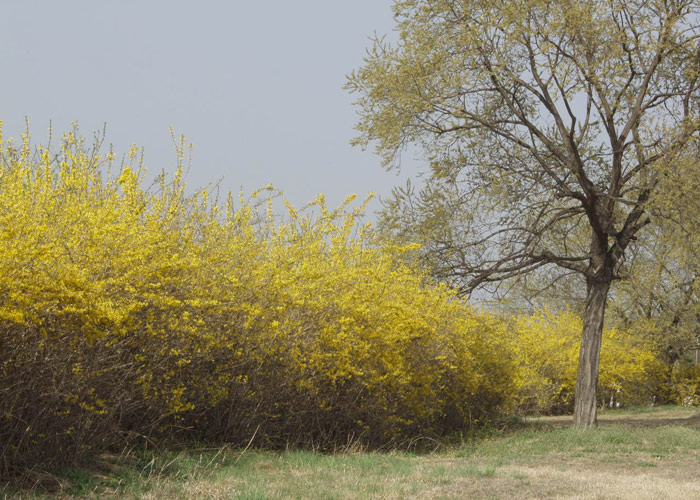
x,y
636,454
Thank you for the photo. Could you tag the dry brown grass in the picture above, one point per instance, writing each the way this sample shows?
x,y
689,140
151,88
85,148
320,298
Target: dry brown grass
x,y
432,478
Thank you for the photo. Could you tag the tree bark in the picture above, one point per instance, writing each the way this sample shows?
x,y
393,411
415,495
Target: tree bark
x,y
585,405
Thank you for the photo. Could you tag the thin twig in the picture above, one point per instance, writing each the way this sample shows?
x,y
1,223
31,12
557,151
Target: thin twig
x,y
248,445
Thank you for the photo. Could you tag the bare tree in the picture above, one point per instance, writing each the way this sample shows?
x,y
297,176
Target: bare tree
x,y
546,124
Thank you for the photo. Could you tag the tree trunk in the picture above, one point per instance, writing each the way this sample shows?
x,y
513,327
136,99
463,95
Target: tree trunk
x,y
585,406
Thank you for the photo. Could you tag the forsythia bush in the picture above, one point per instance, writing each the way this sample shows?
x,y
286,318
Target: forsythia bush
x,y
129,313
677,380
547,348
684,387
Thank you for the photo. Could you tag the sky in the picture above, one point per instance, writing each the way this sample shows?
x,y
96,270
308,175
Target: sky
x,y
256,87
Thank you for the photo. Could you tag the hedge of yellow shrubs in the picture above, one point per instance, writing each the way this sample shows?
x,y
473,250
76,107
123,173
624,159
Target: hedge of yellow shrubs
x,y
130,313
133,313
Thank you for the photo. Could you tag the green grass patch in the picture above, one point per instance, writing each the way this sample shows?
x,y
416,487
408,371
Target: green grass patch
x,y
606,440
642,410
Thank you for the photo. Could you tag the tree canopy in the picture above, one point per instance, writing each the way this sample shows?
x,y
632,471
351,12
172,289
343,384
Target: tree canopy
x,y
547,126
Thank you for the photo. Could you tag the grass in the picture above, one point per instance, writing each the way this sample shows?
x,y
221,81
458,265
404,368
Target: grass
x,y
638,454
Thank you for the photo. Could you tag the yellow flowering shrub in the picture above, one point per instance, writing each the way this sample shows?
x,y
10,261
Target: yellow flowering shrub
x,y
677,377
684,387
546,346
148,313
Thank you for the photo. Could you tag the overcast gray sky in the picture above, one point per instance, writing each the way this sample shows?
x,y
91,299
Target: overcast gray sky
x,y
255,86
